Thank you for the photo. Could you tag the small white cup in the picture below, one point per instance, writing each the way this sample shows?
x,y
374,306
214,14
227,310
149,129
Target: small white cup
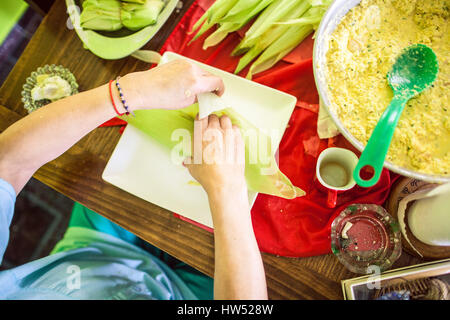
x,y
334,171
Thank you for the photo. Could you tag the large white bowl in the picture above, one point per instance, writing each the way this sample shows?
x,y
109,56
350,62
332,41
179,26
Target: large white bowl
x,y
331,19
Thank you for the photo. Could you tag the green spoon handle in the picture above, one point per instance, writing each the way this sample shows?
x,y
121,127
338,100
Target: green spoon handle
x,y
376,149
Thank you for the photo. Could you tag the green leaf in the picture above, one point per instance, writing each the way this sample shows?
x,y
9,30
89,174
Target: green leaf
x,y
137,16
270,36
235,20
101,15
280,48
275,12
298,30
214,14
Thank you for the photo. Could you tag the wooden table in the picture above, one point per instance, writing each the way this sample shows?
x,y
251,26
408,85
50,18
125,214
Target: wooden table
x,y
77,173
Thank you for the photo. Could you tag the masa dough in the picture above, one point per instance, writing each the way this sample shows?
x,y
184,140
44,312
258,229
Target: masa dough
x,y
362,50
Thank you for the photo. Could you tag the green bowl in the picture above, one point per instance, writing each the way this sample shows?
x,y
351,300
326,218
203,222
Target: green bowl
x,y
29,104
119,44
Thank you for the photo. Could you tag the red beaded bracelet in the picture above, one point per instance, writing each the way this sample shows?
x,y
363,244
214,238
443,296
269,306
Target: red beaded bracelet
x,y
112,99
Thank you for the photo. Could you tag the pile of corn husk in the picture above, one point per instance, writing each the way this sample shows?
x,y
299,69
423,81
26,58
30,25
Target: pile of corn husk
x,y
279,27
113,15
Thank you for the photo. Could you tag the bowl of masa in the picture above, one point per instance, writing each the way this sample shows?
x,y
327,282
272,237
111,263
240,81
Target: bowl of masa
x,y
356,44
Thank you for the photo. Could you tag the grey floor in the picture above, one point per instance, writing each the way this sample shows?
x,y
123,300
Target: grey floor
x,y
41,214
40,220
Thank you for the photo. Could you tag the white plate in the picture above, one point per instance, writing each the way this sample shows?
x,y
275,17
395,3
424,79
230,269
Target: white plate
x,y
143,168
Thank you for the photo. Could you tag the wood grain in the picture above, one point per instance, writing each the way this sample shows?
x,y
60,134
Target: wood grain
x,y
41,6
77,173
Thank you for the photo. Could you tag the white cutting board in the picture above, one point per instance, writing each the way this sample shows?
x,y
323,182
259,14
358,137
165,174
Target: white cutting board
x,y
143,168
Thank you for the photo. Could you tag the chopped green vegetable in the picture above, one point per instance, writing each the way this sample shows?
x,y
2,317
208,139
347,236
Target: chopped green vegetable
x,y
135,1
217,11
137,16
112,15
101,15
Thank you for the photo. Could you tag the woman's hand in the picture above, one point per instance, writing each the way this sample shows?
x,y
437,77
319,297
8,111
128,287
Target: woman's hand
x,y
218,161
173,85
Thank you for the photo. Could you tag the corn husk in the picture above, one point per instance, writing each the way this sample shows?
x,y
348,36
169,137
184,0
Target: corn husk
x,y
273,13
313,16
270,36
137,16
148,56
135,1
280,48
101,15
298,30
212,16
242,13
262,175
207,15
240,7
280,26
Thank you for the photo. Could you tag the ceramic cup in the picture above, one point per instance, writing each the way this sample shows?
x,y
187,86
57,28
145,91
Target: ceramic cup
x,y
334,172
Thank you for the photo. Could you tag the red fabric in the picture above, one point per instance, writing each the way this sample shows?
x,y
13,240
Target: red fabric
x,y
298,227
114,122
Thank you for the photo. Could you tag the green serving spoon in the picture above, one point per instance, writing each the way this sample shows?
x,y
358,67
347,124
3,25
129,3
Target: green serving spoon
x,y
414,70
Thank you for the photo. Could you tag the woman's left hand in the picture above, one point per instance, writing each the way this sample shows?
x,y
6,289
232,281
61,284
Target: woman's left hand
x,y
173,85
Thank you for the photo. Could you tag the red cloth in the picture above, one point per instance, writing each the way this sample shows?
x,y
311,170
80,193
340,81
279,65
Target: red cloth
x,y
298,227
114,122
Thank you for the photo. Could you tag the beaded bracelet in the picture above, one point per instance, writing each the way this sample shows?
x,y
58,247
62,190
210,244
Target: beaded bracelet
x,y
112,99
122,98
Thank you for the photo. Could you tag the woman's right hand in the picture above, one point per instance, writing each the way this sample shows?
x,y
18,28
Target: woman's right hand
x,y
218,161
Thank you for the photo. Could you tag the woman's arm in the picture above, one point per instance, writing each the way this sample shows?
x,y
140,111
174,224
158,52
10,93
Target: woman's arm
x,y
48,132
239,271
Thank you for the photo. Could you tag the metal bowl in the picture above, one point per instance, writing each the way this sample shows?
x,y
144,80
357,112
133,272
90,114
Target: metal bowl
x,y
331,19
